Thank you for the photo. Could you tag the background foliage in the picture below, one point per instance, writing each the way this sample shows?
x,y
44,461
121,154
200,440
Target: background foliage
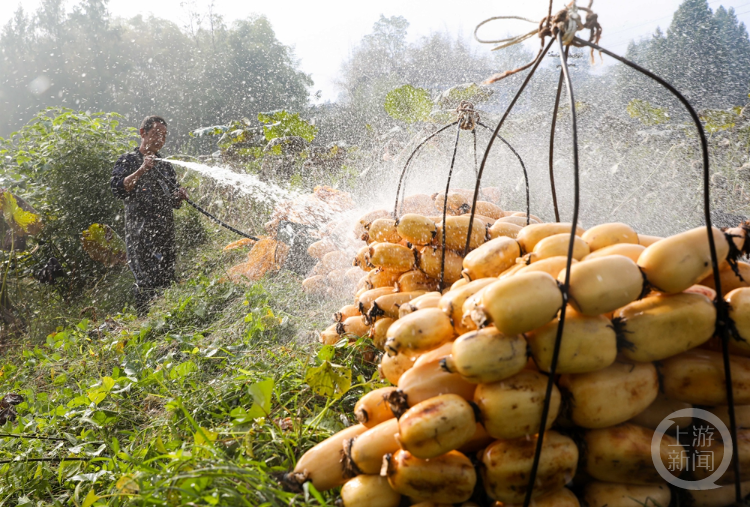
x,y
705,54
62,162
197,75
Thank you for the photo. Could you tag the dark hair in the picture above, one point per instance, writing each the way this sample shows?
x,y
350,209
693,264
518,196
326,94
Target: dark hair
x,y
148,122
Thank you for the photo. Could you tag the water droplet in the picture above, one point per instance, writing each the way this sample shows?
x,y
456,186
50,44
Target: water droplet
x,y
40,85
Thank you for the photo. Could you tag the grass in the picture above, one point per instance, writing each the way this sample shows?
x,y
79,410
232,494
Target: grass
x,y
206,401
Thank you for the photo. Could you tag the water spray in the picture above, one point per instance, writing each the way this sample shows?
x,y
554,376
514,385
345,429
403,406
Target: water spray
x,y
174,188
297,204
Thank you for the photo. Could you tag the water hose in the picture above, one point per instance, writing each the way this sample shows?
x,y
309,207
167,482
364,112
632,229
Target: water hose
x,y
220,222
174,188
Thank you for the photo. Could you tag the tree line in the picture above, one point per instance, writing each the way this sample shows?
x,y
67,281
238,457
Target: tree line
x,y
195,76
704,54
210,72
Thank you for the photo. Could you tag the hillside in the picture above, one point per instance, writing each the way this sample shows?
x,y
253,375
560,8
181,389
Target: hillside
x,y
201,402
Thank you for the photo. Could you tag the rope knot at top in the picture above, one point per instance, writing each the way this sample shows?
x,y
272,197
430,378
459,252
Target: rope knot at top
x,y
467,116
567,21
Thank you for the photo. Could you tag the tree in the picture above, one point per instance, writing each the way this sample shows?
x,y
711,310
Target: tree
x,y
376,65
86,59
388,40
439,61
374,68
693,54
735,45
15,45
384,61
705,55
274,84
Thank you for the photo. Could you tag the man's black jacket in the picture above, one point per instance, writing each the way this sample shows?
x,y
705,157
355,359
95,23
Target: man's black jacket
x,y
149,224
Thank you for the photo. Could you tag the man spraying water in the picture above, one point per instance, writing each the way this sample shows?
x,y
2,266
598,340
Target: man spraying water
x,y
150,191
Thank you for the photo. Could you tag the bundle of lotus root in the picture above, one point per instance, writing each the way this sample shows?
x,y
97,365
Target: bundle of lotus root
x,y
466,367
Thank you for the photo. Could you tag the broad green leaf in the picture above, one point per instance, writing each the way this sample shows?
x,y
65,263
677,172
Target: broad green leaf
x,y
203,436
103,245
262,393
212,500
408,104
77,402
329,380
182,370
90,499
326,352
15,216
96,396
239,415
283,124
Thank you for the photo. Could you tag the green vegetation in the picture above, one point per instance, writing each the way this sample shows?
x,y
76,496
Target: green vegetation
x,y
283,123
61,162
18,219
237,132
204,402
201,73
705,54
408,104
646,113
210,398
245,143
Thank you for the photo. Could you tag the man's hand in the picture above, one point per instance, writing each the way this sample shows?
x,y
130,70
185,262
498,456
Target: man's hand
x,y
130,181
181,194
148,163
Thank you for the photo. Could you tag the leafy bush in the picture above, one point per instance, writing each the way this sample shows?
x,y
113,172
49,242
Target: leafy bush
x,y
62,162
408,104
246,140
283,123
